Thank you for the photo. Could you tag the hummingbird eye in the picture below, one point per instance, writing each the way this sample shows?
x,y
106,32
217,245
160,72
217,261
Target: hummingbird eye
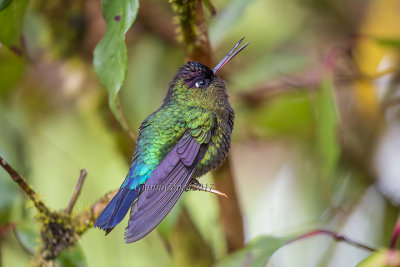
x,y
201,83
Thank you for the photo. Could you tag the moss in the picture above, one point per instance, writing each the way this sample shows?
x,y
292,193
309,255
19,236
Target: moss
x,y
185,18
57,233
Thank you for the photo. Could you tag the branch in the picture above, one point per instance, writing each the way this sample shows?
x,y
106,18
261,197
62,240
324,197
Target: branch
x,y
230,213
195,185
313,77
194,36
26,188
265,91
57,231
210,7
77,191
192,30
335,236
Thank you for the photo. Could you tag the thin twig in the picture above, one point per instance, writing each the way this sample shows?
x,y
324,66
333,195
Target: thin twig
x,y
265,91
381,73
196,186
86,219
210,7
24,186
26,249
77,191
392,103
335,236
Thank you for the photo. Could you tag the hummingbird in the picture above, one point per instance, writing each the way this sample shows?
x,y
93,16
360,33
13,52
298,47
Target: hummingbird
x,y
189,135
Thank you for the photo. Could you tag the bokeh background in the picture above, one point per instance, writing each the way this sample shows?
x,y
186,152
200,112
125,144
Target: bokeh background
x,y
316,140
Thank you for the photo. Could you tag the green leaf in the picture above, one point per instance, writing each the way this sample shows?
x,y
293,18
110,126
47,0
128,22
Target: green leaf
x,y
390,42
4,4
288,114
11,21
256,253
72,257
382,258
327,121
110,56
267,67
11,68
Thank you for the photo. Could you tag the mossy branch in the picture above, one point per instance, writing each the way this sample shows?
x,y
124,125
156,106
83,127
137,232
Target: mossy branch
x,y
25,187
192,30
59,230
193,34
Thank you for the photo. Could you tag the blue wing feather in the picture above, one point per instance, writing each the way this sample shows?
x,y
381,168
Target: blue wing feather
x,y
117,208
171,176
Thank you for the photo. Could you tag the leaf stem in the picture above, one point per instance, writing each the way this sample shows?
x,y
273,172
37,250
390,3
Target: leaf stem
x,y
123,120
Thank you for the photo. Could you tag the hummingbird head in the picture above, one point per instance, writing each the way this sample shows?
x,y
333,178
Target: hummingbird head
x,y
195,84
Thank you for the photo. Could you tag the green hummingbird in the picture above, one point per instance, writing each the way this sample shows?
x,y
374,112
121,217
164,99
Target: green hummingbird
x,y
189,135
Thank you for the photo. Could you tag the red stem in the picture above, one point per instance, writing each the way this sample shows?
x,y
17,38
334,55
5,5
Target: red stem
x,y
335,236
395,235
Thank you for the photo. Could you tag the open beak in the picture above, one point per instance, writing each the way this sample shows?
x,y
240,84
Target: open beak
x,y
229,56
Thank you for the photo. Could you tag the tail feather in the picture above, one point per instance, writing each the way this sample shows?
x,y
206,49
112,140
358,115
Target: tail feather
x,y
117,208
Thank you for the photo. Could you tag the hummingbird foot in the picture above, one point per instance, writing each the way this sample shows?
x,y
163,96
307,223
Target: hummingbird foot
x,y
194,184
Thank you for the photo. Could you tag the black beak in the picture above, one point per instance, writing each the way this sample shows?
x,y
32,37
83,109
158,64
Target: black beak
x,y
229,56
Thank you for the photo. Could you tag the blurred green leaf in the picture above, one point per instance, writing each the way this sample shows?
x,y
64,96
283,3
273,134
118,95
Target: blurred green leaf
x,y
142,93
11,69
72,257
11,21
266,67
28,234
8,194
4,4
393,43
327,121
11,150
168,224
256,253
287,114
227,19
110,56
382,258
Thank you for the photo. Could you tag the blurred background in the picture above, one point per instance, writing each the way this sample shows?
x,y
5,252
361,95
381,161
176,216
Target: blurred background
x,y
316,140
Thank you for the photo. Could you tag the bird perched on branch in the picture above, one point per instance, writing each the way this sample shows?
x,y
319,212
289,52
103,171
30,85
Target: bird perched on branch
x,y
189,135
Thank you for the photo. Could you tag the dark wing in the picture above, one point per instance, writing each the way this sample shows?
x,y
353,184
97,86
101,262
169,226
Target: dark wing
x,y
164,187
